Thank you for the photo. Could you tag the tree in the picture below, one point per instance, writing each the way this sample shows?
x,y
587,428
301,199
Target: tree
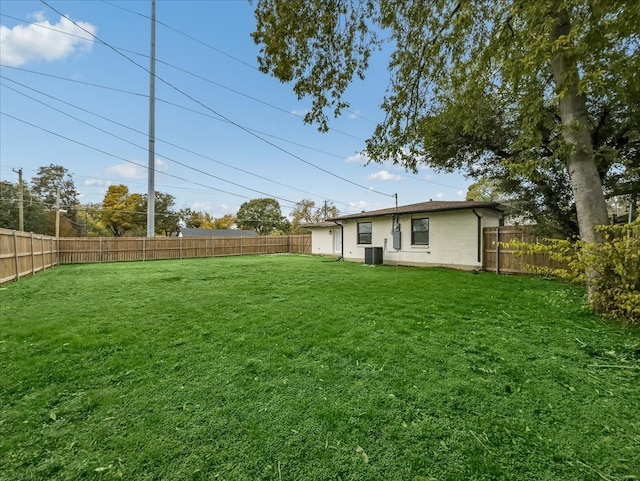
x,y
166,221
34,211
90,220
305,212
227,221
454,59
45,185
262,215
121,211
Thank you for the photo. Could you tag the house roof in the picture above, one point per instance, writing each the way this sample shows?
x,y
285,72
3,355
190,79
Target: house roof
x,y
196,232
325,223
430,206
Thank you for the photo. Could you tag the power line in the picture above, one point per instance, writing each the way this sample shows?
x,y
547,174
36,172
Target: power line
x,y
182,92
163,156
116,156
222,52
173,104
169,143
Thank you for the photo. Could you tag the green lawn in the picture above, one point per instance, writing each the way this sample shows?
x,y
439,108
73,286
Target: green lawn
x,y
295,368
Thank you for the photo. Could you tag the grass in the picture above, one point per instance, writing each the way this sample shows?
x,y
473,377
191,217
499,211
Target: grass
x,y
294,368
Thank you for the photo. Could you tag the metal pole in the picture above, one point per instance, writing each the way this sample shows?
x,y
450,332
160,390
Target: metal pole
x,y
151,192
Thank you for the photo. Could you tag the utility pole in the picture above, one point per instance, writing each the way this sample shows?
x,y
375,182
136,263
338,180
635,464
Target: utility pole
x,y
20,201
151,191
57,212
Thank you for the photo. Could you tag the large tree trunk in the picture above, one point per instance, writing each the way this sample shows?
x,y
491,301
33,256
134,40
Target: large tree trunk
x,y
581,165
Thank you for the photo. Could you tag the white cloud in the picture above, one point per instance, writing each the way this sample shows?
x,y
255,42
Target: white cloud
x,y
461,193
354,115
128,171
356,207
202,206
44,41
384,175
358,158
99,182
300,113
162,165
439,195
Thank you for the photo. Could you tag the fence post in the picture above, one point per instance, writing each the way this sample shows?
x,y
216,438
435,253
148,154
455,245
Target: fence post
x,y
144,249
241,246
44,264
15,255
213,246
180,247
33,258
100,251
498,250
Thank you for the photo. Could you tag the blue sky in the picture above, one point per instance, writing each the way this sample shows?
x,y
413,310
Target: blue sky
x,y
225,133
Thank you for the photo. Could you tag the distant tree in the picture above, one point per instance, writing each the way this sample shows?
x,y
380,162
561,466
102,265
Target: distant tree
x,y
262,215
166,218
195,219
227,221
484,190
121,211
89,218
34,211
305,212
45,185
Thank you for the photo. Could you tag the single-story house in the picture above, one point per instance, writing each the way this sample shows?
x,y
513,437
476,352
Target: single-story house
x,y
197,232
434,233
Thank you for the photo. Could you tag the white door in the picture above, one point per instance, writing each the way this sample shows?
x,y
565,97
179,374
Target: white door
x,y
337,241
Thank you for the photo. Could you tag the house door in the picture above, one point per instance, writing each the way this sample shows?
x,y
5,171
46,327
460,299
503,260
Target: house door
x,y
337,241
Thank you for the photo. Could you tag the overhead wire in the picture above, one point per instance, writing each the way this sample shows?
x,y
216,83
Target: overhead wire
x,y
143,148
189,96
217,50
116,156
173,145
207,115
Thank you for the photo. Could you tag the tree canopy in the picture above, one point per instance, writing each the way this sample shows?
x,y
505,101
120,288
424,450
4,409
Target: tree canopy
x,y
122,211
306,212
544,94
34,210
48,180
262,215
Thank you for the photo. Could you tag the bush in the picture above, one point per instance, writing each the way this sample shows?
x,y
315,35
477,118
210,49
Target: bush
x,y
614,264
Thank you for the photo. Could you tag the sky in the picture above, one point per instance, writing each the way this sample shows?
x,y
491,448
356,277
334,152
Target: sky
x,y
74,91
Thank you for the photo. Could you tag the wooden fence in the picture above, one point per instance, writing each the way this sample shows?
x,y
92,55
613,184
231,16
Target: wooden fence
x,y
504,260
23,254
76,250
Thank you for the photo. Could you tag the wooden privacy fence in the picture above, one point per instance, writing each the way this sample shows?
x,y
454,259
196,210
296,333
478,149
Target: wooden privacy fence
x,y
25,254
76,250
503,259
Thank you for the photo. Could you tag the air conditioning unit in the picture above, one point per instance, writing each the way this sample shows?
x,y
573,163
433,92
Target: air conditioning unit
x,y
373,255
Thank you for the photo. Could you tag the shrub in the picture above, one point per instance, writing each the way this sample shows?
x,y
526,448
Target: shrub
x,y
615,265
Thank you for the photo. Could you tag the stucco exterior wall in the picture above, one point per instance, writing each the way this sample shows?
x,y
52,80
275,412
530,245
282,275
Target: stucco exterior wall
x,y
454,238
323,241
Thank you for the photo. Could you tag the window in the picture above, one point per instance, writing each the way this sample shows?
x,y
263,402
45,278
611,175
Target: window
x,y
420,232
364,232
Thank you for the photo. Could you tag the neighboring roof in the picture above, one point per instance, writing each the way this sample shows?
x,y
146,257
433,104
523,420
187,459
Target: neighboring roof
x,y
194,232
431,206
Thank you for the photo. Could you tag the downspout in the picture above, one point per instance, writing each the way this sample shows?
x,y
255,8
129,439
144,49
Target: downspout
x,y
479,236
